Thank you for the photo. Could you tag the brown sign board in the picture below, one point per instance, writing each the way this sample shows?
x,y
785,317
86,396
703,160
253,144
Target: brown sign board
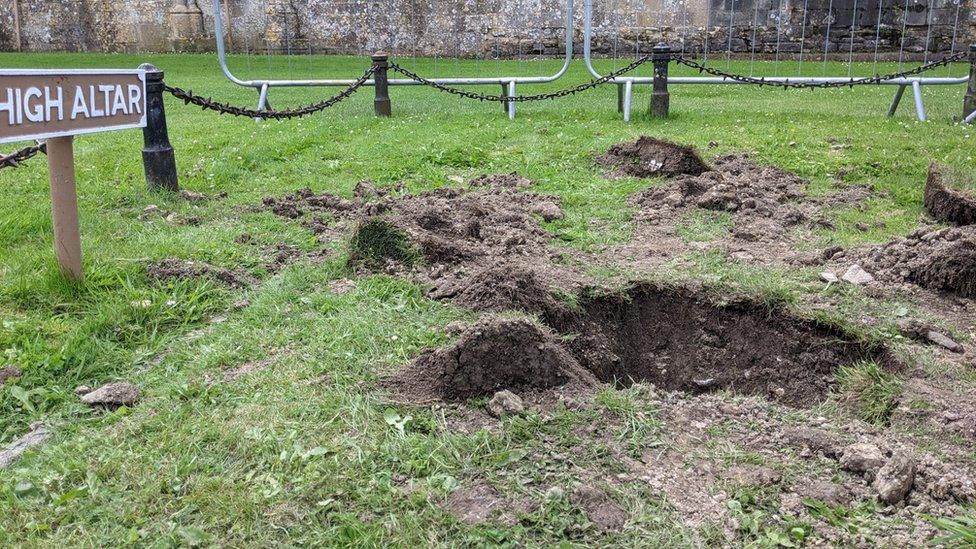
x,y
43,104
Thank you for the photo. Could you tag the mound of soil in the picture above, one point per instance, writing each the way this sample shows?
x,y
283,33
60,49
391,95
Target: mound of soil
x,y
947,204
483,247
491,356
503,287
650,157
681,342
943,260
178,269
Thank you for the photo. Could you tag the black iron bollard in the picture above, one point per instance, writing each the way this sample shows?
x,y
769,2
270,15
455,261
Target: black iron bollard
x,y
158,157
620,98
661,99
382,105
969,102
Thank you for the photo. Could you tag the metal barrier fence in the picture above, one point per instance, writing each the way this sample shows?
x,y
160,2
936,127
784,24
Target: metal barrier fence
x,y
701,41
509,84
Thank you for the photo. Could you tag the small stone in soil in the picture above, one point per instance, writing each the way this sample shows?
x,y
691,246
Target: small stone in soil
x,y
113,395
829,277
895,479
943,340
861,458
505,403
10,372
857,276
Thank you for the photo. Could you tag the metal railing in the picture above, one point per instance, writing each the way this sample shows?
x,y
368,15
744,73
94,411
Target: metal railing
x,y
263,86
626,84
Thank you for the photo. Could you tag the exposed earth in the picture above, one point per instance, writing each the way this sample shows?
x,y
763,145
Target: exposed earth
x,y
751,418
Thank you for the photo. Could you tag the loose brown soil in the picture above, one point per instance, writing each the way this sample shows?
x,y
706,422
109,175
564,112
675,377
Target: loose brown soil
x,y
767,208
943,260
492,355
650,157
946,203
482,248
178,269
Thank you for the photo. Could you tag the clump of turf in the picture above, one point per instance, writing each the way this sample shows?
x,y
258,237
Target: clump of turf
x,y
950,195
870,391
377,241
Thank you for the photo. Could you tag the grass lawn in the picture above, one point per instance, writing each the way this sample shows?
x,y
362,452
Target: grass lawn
x,y
303,451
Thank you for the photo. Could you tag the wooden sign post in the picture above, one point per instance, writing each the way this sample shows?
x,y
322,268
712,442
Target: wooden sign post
x,y
56,106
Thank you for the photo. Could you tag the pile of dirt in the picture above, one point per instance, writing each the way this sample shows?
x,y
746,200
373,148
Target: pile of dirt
x,y
178,269
650,157
483,246
744,347
942,260
499,288
946,203
766,209
492,355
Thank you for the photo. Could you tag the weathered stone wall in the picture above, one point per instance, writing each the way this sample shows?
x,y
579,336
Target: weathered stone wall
x,y
477,28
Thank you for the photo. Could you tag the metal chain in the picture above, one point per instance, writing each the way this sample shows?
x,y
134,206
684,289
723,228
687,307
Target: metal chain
x,y
14,160
207,103
836,84
518,98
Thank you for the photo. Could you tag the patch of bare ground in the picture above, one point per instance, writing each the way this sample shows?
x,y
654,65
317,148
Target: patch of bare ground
x,y
483,247
178,269
768,212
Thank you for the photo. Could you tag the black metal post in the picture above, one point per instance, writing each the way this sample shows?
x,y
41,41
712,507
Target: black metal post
x,y
969,102
620,98
661,99
382,105
158,157
504,94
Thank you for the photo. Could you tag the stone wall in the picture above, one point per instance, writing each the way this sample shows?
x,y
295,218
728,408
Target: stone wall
x,y
480,28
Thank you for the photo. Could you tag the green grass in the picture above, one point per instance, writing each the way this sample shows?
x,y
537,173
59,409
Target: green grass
x,y
871,391
302,449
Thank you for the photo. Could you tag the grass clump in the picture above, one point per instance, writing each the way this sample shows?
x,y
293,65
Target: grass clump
x,y
377,241
870,391
705,226
960,180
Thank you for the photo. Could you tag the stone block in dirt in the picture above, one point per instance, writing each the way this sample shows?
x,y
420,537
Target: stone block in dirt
x,y
112,395
651,157
493,355
946,203
895,479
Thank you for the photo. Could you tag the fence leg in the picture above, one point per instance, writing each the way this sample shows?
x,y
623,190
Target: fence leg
x,y
505,94
919,106
628,99
262,100
620,98
896,101
382,105
511,104
661,99
969,103
158,157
